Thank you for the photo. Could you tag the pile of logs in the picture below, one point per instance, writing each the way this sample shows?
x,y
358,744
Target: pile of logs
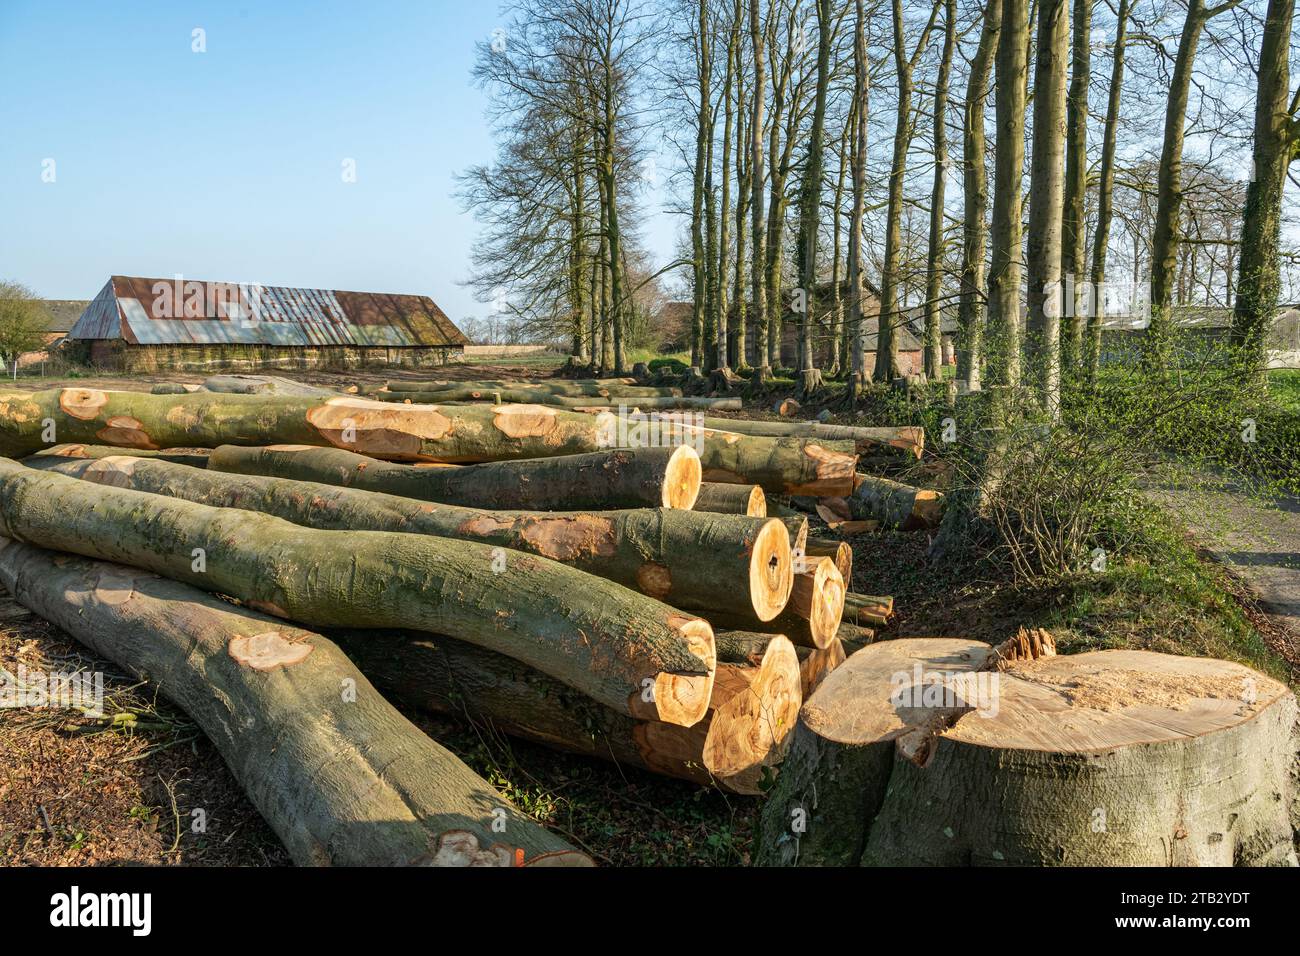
x,y
531,555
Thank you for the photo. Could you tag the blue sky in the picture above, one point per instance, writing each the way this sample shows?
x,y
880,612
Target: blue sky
x,y
228,164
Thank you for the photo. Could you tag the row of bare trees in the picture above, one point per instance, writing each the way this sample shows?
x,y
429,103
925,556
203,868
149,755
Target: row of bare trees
x,y
1117,136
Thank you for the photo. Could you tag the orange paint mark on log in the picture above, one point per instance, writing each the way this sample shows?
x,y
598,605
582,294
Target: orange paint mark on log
x,y
570,538
115,471
366,426
524,421
268,650
125,432
654,580
83,403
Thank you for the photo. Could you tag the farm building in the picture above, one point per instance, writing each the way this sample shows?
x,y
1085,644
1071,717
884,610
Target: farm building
x,y
138,324
58,316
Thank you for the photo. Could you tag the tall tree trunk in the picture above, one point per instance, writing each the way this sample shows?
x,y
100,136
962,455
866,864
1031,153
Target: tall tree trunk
x,y
1105,193
1277,134
970,305
887,365
703,133
810,376
756,180
1166,235
743,173
722,360
857,285
934,259
1004,330
1046,190
1074,226
839,341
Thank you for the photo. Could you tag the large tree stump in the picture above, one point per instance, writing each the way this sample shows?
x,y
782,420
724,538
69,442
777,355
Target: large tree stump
x,y
341,777
922,751
624,649
691,560
599,481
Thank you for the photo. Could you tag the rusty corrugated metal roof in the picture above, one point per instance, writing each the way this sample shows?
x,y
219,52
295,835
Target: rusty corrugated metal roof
x,y
192,312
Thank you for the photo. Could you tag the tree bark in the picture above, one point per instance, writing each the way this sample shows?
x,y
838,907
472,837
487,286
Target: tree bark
x,y
934,256
1003,339
615,645
1074,225
1105,193
812,616
971,303
895,504
756,200
686,558
907,438
1276,136
341,777
731,499
1046,191
857,283
521,396
1091,759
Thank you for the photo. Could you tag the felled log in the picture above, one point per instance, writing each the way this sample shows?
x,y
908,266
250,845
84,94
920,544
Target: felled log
x,y
264,385
812,616
786,407
731,499
894,503
174,388
597,388
752,707
624,649
194,457
941,752
537,397
599,481
466,433
837,551
339,775
854,637
908,439
818,663
685,558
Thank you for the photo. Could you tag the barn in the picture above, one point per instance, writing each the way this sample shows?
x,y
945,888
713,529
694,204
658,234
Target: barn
x,y
145,325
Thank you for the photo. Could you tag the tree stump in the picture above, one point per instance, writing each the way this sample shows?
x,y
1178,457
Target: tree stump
x,y
924,752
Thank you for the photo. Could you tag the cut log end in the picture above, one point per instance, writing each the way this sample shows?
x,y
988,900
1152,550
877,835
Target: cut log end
x,y
757,504
681,699
771,570
682,478
818,598
750,730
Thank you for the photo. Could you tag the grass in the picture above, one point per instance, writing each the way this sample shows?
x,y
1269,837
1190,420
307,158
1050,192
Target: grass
x,y
1284,389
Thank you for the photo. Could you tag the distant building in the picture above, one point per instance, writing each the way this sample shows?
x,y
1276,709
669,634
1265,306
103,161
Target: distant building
x,y
59,316
138,324
1121,336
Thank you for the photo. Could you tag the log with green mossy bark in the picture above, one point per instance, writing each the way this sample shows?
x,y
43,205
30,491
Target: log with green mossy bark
x,y
436,433
194,457
599,481
731,499
536,397
947,752
687,559
752,707
909,439
624,649
597,388
814,612
341,777
895,504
